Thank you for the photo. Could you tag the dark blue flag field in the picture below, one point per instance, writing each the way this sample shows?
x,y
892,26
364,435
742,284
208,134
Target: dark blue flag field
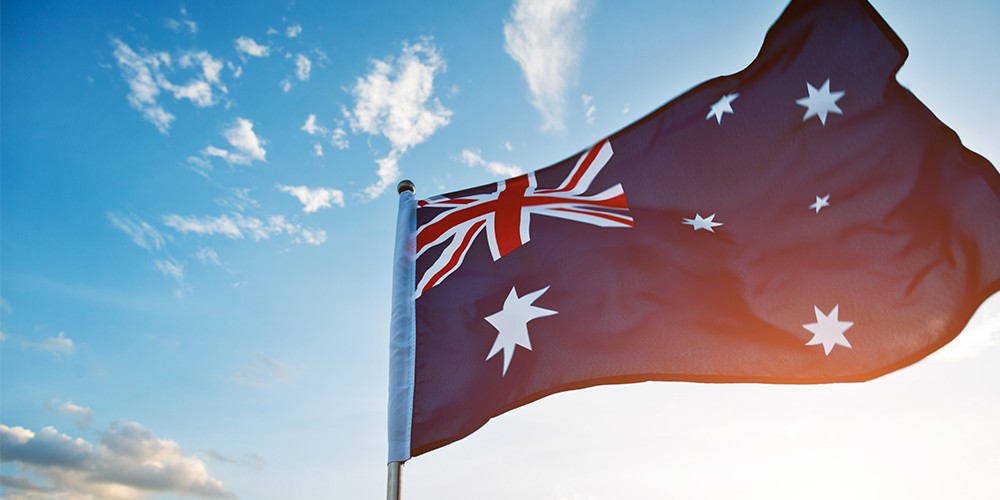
x,y
806,220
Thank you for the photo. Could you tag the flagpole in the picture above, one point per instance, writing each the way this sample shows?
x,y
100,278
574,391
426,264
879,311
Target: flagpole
x,y
393,490
402,340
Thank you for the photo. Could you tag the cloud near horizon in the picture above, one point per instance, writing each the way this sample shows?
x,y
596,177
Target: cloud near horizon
x,y
128,462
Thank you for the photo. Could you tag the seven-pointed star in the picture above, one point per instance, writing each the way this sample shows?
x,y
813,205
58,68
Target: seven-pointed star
x,y
828,330
699,223
821,202
722,106
820,102
511,323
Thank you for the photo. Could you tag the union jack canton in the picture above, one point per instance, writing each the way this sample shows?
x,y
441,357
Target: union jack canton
x,y
506,213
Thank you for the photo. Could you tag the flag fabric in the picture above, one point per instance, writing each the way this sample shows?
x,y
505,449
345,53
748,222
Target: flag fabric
x,y
806,220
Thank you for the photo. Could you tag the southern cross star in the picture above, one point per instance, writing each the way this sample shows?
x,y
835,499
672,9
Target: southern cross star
x,y
699,223
820,203
511,323
820,102
828,330
721,107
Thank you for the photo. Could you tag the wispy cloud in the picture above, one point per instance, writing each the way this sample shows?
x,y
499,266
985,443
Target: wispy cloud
x,y
396,100
142,233
147,75
303,67
313,199
589,108
293,31
317,149
237,226
261,372
338,137
247,46
83,414
473,158
183,24
542,37
208,256
127,462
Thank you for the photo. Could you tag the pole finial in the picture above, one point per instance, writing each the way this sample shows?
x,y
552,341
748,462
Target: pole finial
x,y
405,185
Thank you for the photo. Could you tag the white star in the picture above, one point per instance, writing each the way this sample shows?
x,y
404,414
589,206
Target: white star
x,y
828,330
820,102
699,223
512,324
721,107
821,202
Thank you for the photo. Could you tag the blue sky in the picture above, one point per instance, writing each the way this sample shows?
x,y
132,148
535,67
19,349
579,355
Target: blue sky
x,y
197,218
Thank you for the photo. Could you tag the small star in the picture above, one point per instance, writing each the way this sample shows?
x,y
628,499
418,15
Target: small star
x,y
721,107
828,330
820,102
511,323
820,203
699,223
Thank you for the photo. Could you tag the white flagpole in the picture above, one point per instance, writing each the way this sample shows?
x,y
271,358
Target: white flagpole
x,y
402,339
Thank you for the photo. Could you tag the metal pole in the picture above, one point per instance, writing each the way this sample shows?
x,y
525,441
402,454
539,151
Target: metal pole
x,y
393,490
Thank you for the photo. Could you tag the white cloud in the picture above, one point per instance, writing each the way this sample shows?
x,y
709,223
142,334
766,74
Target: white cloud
x,y
139,72
172,268
339,139
241,201
261,372
395,100
82,414
248,147
310,127
128,462
293,31
473,158
311,236
60,344
388,172
313,199
508,146
286,85
3,337
317,149
625,110
208,256
247,45
146,75
242,137
303,67
142,234
588,105
184,24
542,37
237,226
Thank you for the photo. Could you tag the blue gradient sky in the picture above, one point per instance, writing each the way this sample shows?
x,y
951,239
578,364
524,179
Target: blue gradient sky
x,y
208,292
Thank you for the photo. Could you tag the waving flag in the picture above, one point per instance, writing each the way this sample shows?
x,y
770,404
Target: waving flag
x,y
806,220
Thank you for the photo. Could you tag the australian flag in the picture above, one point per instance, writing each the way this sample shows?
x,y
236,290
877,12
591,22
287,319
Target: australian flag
x,y
806,220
